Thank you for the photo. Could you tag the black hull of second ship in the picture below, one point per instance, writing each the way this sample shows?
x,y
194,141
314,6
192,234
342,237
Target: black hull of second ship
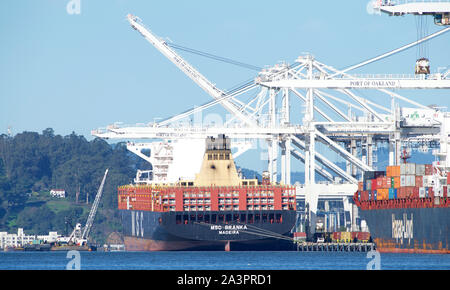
x,y
409,230
171,231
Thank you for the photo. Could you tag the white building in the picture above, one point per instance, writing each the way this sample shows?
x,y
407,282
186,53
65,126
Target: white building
x,y
61,193
20,239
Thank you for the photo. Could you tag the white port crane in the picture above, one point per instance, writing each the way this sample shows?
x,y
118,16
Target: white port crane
x,y
306,73
342,131
80,236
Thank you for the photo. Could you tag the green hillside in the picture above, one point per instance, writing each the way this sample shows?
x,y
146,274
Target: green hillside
x,y
31,164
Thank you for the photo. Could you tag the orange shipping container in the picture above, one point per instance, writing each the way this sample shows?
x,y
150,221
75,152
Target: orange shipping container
x,y
396,182
395,171
389,171
386,182
360,186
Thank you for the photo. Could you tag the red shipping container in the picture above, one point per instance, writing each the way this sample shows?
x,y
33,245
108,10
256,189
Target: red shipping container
x,y
444,188
411,192
419,181
299,235
363,236
374,184
428,169
401,193
416,192
448,177
380,182
337,235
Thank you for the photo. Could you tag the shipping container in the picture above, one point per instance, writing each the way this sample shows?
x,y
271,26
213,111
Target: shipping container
x,y
346,237
360,186
420,169
397,182
408,169
369,184
374,184
363,236
393,193
336,236
410,180
379,182
396,171
422,193
403,181
428,169
448,177
386,182
415,192
393,171
419,180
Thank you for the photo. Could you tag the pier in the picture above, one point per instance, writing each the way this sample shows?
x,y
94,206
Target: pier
x,y
335,247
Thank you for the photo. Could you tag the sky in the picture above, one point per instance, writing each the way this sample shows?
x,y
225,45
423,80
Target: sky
x,y
75,72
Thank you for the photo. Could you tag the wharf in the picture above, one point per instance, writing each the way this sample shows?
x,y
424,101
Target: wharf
x,y
335,247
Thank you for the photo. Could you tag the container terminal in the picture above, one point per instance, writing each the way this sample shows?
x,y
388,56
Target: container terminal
x,y
352,126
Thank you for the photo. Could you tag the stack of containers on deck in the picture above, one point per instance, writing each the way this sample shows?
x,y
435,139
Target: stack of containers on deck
x,y
405,181
394,176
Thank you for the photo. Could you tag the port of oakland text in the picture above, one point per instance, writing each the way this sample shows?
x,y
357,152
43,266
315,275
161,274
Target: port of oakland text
x,y
228,229
402,229
374,84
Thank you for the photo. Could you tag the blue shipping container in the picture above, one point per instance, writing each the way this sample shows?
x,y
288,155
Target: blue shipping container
x,y
391,193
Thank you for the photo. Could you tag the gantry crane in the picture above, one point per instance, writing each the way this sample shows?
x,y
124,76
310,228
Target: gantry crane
x,y
306,80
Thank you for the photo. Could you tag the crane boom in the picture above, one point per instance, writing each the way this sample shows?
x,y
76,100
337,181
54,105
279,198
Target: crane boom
x,y
189,70
93,211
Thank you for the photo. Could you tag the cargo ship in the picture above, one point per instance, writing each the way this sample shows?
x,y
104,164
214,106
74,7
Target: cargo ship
x,y
217,210
406,208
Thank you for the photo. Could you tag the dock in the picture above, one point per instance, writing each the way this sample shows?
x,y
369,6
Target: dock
x,y
335,247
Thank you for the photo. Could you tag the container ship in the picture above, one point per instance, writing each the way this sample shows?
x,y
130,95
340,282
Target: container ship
x,y
217,210
406,208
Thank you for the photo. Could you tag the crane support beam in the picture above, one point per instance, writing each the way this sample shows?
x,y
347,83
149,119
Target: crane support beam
x,y
343,152
319,169
195,132
322,159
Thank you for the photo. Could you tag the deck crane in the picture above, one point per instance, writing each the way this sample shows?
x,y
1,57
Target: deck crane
x,y
190,71
80,236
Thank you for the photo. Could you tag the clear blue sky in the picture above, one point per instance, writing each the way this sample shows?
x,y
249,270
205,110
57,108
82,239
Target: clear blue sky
x,y
82,72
